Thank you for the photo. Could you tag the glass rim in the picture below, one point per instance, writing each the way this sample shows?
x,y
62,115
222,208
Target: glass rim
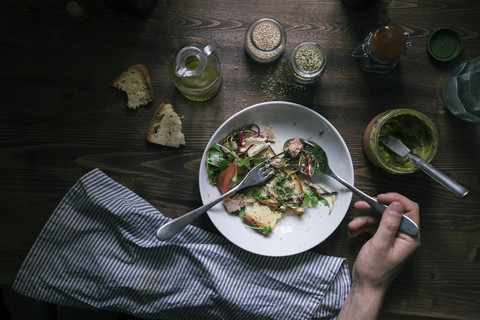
x,y
307,75
375,134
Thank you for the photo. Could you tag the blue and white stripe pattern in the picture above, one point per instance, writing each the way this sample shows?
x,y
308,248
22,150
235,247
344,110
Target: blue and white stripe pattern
x,y
98,250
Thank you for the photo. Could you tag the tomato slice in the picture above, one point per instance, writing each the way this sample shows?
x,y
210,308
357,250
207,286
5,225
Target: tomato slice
x,y
226,176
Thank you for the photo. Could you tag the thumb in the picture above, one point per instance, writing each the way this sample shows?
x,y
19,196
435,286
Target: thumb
x,y
388,228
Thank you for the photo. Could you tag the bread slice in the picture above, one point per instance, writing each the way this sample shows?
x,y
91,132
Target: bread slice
x,y
137,84
262,217
166,127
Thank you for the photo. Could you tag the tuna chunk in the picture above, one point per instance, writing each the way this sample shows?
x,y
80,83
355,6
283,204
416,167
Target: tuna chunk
x,y
294,147
235,202
268,134
277,162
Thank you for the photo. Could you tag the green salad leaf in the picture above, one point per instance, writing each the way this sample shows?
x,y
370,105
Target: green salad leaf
x,y
263,229
310,199
216,162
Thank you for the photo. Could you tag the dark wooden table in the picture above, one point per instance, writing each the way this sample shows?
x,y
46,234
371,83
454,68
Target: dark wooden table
x,y
60,118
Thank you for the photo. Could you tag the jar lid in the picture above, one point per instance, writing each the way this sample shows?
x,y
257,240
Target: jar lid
x,y
388,42
444,44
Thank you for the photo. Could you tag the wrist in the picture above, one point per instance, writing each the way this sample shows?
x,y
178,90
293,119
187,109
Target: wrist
x,y
363,302
370,287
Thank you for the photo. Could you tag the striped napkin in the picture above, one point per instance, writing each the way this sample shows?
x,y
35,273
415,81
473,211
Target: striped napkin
x,y
98,250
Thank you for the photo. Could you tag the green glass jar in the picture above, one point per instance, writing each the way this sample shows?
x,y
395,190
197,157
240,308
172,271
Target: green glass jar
x,y
413,128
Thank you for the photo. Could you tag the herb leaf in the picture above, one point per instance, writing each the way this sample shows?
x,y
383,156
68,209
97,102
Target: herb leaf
x,y
215,163
264,229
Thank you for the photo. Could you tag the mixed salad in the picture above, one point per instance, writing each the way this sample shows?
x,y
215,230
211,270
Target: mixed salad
x,y
288,192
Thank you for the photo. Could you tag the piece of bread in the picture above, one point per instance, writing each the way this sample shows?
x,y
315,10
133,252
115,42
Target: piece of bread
x,y
261,216
166,127
137,84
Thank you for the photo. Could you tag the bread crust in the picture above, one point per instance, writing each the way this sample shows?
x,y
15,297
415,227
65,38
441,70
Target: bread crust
x,y
261,216
175,137
146,84
155,120
146,76
252,221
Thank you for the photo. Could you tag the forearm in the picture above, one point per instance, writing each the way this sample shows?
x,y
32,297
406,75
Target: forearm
x,y
362,304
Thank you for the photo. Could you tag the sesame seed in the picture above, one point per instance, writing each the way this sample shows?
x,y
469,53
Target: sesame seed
x,y
265,40
266,35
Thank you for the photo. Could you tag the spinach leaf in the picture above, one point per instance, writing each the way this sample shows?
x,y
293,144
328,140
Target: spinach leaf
x,y
216,161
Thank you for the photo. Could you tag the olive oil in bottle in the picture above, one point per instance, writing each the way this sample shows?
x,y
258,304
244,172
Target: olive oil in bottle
x,y
196,72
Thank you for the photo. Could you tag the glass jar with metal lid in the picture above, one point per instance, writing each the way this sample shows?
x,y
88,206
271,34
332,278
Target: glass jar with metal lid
x,y
382,49
265,40
306,63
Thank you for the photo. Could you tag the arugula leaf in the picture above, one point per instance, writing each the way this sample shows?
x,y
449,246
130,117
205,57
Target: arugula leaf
x,y
310,199
256,193
247,162
239,213
264,229
325,203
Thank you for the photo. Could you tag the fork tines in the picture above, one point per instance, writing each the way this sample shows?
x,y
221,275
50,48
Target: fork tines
x,y
267,170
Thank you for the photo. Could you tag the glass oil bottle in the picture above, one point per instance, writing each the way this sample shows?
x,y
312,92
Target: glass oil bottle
x,y
195,71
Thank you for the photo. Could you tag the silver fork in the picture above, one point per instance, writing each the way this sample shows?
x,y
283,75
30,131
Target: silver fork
x,y
258,175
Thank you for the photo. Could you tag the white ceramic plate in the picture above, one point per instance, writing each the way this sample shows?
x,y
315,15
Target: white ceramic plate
x,y
294,234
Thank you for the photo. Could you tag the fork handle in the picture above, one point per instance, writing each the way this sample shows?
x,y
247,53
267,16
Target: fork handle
x,y
176,225
407,226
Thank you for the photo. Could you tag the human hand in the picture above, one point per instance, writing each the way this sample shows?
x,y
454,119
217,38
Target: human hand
x,y
382,257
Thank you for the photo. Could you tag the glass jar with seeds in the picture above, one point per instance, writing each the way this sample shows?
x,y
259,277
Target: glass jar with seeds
x,y
265,40
306,63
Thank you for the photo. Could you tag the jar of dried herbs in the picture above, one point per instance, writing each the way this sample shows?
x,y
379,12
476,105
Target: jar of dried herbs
x,y
306,63
265,40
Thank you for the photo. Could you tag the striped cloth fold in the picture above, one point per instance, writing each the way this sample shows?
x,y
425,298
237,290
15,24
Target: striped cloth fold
x,y
98,250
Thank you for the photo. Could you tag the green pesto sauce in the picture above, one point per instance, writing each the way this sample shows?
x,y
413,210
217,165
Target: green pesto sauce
x,y
413,132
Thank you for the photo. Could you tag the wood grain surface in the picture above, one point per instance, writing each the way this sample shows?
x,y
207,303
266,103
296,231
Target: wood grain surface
x,y
60,118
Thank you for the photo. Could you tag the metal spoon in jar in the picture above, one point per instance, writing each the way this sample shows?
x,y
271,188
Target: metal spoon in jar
x,y
320,166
